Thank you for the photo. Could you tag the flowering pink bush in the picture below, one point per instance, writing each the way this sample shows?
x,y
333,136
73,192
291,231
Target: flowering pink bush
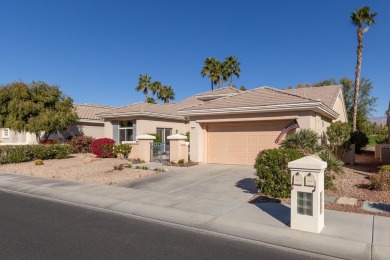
x,y
103,147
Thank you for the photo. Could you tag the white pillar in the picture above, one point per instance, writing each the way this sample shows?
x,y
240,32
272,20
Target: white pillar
x,y
307,194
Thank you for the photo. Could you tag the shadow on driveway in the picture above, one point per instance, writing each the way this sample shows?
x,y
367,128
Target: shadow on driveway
x,y
248,185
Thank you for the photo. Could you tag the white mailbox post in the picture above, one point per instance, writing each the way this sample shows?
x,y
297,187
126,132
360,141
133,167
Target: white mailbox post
x,y
307,194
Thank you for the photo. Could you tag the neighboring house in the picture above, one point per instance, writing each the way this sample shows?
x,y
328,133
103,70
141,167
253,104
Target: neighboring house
x,y
227,125
87,124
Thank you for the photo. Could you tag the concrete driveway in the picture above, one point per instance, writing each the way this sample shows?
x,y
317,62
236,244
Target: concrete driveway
x,y
205,183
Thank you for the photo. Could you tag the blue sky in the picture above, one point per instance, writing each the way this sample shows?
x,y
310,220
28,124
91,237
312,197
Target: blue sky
x,y
95,50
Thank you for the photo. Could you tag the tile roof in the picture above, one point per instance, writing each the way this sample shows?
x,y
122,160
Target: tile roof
x,y
262,96
265,96
171,108
89,111
326,94
220,91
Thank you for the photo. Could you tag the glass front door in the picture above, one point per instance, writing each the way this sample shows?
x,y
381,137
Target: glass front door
x,y
164,133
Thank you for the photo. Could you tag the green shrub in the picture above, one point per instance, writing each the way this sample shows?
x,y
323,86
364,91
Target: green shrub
x,y
61,151
335,166
137,167
181,161
42,152
381,139
145,167
25,153
305,140
122,150
81,144
15,153
273,174
339,135
360,139
381,180
158,138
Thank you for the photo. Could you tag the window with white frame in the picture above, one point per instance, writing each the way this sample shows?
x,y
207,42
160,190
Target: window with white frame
x,y
5,133
126,131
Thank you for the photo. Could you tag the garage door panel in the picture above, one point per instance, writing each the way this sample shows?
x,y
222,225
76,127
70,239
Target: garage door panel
x,y
240,143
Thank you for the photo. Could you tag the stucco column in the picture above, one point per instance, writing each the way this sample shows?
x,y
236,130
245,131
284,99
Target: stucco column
x,y
178,149
141,147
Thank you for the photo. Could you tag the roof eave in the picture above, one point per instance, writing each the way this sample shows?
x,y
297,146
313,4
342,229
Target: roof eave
x,y
318,106
140,114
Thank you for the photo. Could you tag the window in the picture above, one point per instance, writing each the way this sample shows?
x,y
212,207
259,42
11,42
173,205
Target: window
x,y
5,133
305,203
126,131
164,133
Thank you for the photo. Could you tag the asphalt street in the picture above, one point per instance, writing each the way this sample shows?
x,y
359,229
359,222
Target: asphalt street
x,y
33,228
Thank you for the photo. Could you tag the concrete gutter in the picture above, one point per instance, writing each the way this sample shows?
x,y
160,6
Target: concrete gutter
x,y
346,235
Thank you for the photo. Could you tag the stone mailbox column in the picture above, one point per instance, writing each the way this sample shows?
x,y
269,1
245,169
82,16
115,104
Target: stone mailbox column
x,y
307,194
178,147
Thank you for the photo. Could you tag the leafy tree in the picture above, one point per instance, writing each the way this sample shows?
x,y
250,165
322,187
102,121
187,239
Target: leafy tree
x,y
166,93
339,135
231,67
151,100
243,88
361,18
144,82
36,108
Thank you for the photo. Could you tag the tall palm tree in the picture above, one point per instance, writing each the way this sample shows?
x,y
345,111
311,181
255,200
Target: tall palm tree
x,y
208,69
144,82
360,18
232,67
155,87
166,93
218,73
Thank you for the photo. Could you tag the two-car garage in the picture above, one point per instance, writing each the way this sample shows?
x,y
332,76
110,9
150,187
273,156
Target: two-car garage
x,y
240,143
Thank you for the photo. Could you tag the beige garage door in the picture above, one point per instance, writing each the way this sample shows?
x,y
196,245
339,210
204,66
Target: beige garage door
x,y
241,142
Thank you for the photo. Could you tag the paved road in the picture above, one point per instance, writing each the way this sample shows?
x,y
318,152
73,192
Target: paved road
x,y
32,228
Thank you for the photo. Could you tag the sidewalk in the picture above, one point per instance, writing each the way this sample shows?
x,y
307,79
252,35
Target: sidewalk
x,y
346,235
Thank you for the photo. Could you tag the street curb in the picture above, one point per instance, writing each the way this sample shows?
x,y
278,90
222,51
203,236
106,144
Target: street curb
x,y
283,237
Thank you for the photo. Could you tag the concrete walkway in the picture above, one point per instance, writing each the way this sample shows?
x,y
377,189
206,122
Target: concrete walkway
x,y
214,200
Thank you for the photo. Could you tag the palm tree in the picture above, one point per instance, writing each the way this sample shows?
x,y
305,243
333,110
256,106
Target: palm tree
x,y
155,87
360,18
144,82
208,69
166,93
218,73
151,100
232,67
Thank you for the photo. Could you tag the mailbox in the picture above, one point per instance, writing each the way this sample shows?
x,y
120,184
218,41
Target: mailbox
x,y
307,194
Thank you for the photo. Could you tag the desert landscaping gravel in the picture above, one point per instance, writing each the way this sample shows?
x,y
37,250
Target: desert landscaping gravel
x,y
84,168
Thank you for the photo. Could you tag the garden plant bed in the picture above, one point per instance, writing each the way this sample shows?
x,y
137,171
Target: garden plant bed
x,y
353,183
84,168
186,164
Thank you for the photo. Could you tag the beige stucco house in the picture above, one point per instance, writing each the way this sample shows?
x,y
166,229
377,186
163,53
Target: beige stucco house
x,y
228,125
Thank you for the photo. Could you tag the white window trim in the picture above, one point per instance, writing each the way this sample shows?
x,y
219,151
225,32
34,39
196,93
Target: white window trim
x,y
126,128
5,133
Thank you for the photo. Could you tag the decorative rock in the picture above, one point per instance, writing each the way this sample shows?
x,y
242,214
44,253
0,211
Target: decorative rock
x,y
330,199
376,207
347,201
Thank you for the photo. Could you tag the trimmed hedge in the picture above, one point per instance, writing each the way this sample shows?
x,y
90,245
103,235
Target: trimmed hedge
x,y
25,153
272,171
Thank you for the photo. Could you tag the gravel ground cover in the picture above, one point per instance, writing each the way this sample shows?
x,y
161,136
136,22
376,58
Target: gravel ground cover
x,y
354,183
84,168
